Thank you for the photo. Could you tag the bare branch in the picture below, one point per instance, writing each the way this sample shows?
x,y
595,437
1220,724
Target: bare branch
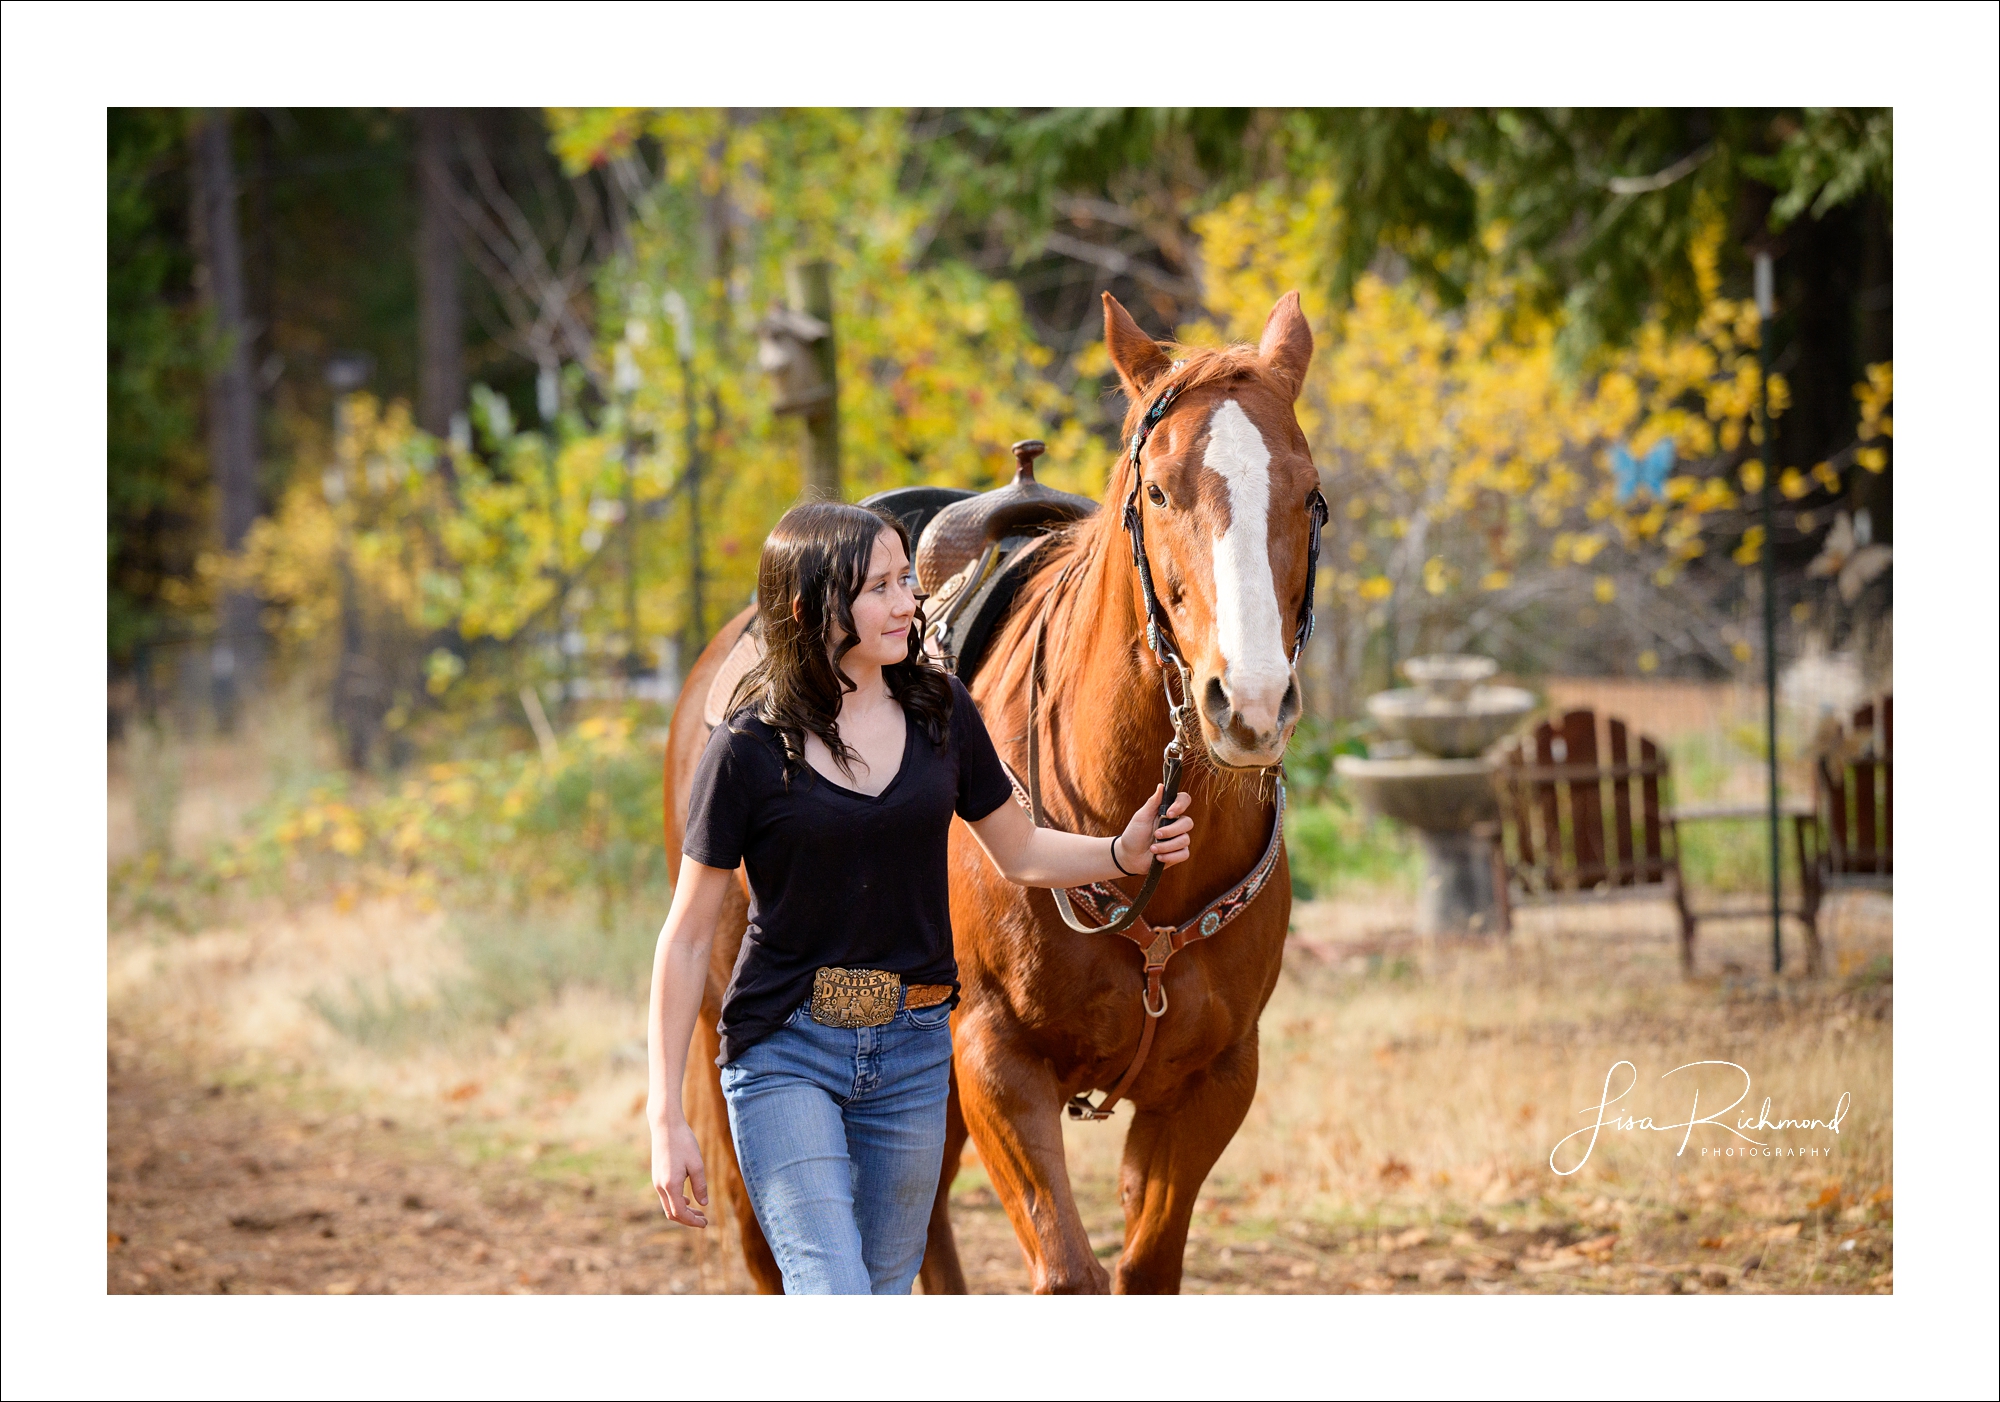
x,y
1120,265
1659,180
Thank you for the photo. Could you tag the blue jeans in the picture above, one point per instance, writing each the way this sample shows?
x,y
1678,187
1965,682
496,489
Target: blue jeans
x,y
840,1134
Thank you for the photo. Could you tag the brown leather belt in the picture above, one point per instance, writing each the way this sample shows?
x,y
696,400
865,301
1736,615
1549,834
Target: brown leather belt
x,y
868,997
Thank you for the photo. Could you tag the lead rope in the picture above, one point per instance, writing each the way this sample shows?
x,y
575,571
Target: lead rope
x,y
1170,780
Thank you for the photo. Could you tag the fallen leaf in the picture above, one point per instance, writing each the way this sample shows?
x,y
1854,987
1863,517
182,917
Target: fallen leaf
x,y
115,1242
1393,1170
1599,1248
465,1090
1784,1233
1415,1236
638,1104
342,1287
1713,1243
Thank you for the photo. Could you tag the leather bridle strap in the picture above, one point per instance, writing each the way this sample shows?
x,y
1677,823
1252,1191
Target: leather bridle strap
x,y
1159,633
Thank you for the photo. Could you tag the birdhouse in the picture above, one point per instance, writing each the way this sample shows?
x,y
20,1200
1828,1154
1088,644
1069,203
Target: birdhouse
x,y
788,351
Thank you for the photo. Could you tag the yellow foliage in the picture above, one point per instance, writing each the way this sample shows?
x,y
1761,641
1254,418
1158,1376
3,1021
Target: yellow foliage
x,y
939,371
1751,550
1453,443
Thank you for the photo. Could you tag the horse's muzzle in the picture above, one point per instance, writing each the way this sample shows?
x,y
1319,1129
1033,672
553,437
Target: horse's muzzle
x,y
1247,731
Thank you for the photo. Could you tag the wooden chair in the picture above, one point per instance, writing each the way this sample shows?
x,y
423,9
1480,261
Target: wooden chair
x,y
1587,815
1849,844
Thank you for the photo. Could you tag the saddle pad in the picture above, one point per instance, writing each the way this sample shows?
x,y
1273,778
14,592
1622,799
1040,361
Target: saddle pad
x,y
974,624
749,648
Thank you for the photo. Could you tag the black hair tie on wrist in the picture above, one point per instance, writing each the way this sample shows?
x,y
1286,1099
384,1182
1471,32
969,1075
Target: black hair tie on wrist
x,y
1115,862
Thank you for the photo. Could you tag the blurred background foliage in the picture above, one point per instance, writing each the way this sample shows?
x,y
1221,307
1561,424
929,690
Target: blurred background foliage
x,y
448,425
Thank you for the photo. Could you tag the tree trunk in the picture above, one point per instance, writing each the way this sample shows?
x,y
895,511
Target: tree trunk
x,y
1824,254
440,303
232,402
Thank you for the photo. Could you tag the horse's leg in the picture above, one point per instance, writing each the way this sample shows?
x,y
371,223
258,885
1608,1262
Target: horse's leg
x,y
708,1115
942,1273
1168,1154
1013,1107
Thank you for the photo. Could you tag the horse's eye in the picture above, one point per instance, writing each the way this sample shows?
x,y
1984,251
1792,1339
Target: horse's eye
x,y
1155,495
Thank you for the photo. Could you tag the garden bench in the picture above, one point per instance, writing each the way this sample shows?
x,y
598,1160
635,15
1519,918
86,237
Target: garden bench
x,y
1849,844
1583,814
1583,819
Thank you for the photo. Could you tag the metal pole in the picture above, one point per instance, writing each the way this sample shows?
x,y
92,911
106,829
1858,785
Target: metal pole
x,y
1765,306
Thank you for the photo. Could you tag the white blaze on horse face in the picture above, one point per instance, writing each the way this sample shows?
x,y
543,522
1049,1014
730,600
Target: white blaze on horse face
x,y
1247,626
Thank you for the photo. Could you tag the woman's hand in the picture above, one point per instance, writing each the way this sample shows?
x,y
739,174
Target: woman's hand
x,y
680,968
677,1158
1142,841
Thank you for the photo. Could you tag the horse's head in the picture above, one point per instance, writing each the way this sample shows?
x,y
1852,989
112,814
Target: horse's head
x,y
1225,489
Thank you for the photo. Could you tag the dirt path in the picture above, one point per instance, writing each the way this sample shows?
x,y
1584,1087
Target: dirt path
x,y
213,1189
218,1190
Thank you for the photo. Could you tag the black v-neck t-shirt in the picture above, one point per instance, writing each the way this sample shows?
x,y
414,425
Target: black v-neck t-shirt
x,y
837,878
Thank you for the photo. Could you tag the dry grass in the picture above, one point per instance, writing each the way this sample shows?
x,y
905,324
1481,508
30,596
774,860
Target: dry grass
x,y
1409,1099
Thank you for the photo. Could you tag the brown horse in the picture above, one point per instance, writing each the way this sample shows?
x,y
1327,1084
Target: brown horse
x,y
1223,492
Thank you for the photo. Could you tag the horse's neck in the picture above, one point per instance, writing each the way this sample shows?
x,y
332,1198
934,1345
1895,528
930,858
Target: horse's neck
x,y
1109,732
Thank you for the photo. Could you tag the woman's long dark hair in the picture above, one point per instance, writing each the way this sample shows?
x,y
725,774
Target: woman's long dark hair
x,y
812,568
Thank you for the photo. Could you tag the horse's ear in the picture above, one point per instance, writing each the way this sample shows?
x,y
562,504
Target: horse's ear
x,y
1137,356
1287,345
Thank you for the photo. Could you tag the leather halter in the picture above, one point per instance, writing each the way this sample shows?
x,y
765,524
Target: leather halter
x,y
1107,903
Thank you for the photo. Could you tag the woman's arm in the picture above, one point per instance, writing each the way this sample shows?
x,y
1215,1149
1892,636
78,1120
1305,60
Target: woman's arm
x,y
680,972
1048,857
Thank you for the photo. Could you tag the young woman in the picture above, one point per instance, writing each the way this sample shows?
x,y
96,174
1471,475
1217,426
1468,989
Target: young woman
x,y
834,784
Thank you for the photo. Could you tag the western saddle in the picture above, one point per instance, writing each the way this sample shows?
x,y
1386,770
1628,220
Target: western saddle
x,y
974,551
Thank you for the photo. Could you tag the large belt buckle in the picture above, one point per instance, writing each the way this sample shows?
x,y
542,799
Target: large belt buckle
x,y
855,997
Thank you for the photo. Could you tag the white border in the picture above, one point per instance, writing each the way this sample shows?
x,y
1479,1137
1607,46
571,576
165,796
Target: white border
x,y
64,64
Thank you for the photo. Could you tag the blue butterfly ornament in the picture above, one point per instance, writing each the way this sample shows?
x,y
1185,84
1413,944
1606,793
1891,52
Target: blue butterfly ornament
x,y
1634,475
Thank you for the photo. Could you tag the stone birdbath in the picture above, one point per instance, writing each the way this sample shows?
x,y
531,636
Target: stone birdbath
x,y
1432,776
